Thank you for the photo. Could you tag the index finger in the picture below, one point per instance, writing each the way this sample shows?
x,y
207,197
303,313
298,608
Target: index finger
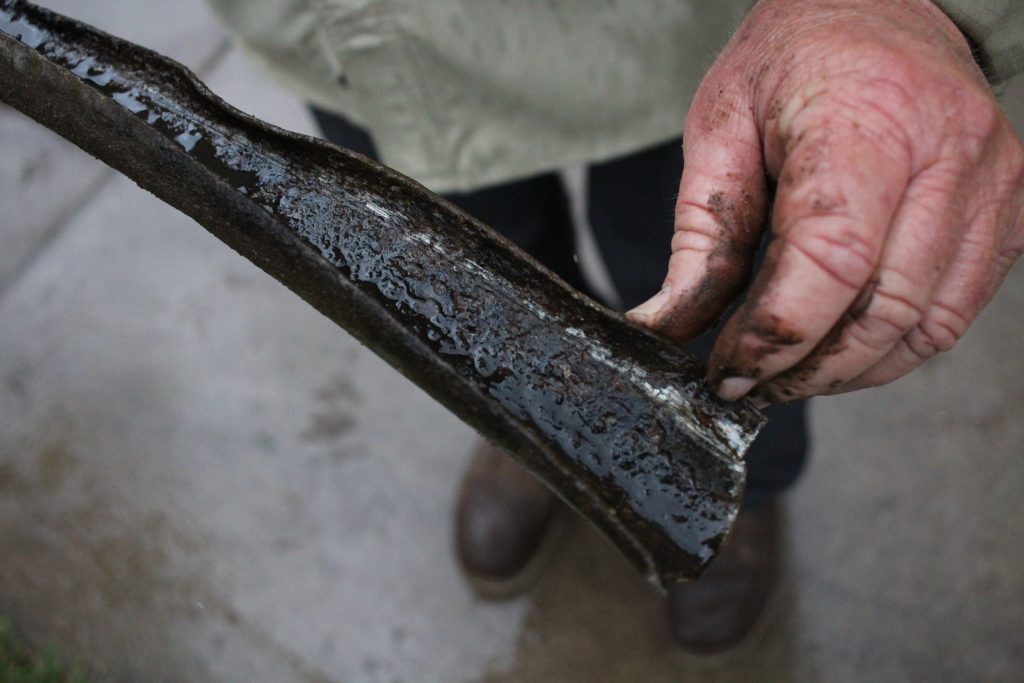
x,y
839,187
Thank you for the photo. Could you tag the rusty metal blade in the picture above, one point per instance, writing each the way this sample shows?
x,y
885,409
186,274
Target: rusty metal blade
x,y
615,420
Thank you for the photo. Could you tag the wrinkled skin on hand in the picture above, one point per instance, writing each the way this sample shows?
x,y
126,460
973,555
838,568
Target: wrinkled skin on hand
x,y
898,205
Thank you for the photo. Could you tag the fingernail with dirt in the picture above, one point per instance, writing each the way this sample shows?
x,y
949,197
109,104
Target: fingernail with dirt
x,y
735,388
646,311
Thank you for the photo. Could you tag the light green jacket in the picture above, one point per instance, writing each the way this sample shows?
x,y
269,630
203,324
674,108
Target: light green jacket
x,y
464,93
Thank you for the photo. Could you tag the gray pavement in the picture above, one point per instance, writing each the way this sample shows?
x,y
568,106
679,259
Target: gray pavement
x,y
202,479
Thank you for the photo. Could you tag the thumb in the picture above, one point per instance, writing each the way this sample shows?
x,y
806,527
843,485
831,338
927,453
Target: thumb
x,y
719,215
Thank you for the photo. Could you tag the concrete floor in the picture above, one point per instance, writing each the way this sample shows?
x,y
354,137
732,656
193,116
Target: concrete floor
x,y
202,479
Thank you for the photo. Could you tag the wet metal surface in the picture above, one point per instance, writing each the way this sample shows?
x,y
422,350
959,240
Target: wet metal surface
x,y
617,421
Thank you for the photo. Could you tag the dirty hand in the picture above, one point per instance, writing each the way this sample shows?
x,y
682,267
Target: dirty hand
x,y
898,209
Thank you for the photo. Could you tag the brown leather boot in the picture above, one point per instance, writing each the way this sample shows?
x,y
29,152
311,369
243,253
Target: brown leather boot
x,y
718,611
506,524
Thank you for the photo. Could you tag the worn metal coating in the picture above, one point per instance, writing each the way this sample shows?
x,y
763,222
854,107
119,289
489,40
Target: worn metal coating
x,y
617,421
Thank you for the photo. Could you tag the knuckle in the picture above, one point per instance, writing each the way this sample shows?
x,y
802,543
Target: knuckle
x,y
986,209
890,315
692,238
941,178
881,57
884,106
880,85
1013,252
841,251
892,91
981,115
934,335
979,120
868,334
1009,257
722,221
869,60
920,346
886,320
979,249
762,337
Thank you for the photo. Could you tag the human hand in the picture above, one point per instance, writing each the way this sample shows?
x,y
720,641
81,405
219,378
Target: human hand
x,y
898,208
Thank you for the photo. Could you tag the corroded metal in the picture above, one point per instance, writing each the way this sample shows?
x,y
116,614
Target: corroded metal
x,y
617,421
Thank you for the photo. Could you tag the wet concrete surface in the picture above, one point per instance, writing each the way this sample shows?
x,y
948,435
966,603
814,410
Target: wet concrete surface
x,y
202,479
